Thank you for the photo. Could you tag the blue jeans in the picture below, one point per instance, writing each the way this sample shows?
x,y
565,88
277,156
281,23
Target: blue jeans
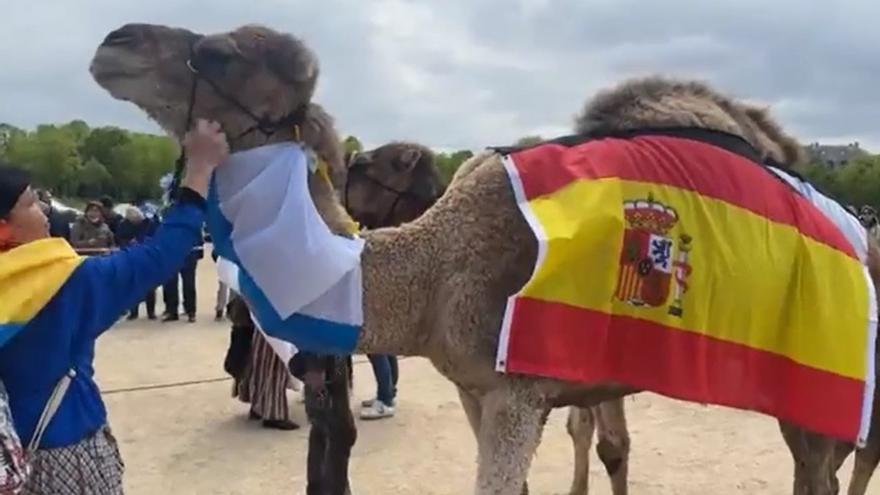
x,y
386,372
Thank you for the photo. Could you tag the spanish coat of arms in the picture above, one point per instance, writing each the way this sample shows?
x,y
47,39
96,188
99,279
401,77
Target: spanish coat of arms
x,y
652,263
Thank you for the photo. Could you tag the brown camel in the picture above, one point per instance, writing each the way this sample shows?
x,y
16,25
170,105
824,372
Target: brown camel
x,y
451,271
395,183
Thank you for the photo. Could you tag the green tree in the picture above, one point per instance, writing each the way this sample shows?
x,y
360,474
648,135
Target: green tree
x,y
7,133
352,144
138,165
102,142
529,141
93,180
448,163
50,153
859,181
78,129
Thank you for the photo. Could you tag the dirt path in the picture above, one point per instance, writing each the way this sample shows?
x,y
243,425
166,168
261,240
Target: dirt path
x,y
195,439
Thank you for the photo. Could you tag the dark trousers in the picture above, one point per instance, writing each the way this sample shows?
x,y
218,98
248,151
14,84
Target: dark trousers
x,y
170,294
150,301
386,372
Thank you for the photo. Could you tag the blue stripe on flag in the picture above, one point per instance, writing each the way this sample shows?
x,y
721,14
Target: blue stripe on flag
x,y
307,333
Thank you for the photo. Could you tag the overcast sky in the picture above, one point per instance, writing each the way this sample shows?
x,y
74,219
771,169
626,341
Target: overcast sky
x,y
472,73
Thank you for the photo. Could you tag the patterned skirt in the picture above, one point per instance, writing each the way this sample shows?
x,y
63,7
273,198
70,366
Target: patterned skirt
x,y
264,382
90,467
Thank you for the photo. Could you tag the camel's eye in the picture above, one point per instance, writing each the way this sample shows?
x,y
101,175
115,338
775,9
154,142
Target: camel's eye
x,y
359,161
211,62
213,57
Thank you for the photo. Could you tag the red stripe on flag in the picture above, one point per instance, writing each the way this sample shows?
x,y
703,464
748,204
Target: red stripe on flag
x,y
560,341
683,163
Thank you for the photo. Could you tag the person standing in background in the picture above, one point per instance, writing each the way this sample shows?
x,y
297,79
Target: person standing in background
x,y
222,294
91,231
187,276
112,218
135,228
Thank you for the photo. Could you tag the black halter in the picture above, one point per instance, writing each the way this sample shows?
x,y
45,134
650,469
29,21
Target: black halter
x,y
264,125
422,202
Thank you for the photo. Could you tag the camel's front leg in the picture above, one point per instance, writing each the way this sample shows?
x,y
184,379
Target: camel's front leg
x,y
471,406
342,430
510,431
472,410
580,426
813,461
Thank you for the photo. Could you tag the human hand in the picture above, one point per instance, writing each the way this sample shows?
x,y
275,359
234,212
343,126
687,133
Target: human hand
x,y
205,147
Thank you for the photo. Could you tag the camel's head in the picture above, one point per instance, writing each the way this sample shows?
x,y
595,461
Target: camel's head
x,y
661,102
868,216
391,184
239,78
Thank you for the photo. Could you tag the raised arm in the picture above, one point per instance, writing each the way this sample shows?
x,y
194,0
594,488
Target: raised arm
x,y
115,282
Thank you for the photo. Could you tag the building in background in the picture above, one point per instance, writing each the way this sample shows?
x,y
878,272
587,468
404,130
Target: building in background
x,y
835,156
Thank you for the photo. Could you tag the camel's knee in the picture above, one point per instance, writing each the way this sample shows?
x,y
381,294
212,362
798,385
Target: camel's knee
x,y
614,442
346,431
612,454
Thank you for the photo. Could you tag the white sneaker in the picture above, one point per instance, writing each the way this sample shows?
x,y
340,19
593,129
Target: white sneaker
x,y
377,410
369,402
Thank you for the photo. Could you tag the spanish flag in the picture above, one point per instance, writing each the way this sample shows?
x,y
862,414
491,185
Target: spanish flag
x,y
675,265
30,276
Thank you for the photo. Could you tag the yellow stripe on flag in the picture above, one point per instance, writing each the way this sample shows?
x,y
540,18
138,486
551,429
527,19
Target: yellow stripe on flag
x,y
754,282
31,274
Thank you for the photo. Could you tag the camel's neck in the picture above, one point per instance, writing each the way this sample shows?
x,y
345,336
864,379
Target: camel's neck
x,y
399,268
316,132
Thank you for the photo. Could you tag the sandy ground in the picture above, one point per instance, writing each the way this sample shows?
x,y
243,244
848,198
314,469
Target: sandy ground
x,y
195,439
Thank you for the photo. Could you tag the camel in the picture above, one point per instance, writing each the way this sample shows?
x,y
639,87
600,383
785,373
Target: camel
x,y
391,185
395,183
451,271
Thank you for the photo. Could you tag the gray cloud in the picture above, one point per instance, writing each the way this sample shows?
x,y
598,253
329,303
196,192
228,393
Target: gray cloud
x,y
471,73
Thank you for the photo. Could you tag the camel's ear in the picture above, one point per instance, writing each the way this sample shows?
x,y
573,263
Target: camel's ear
x,y
291,60
408,160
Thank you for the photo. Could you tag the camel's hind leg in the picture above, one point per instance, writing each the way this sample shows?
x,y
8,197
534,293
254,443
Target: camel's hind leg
x,y
866,462
613,443
510,430
608,419
580,426
814,459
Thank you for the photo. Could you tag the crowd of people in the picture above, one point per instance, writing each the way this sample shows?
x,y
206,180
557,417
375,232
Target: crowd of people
x,y
100,230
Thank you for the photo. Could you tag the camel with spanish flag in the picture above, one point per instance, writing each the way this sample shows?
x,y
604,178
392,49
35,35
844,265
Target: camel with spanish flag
x,y
665,246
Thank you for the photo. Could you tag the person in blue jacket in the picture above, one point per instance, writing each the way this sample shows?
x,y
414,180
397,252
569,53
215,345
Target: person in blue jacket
x,y
48,336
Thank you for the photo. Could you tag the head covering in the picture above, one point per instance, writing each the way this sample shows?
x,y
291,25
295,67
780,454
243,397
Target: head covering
x,y
13,182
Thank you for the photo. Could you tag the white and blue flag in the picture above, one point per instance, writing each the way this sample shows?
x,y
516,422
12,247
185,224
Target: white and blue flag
x,y
301,281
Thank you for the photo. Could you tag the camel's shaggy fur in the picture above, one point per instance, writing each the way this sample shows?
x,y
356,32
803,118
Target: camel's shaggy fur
x,y
437,286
